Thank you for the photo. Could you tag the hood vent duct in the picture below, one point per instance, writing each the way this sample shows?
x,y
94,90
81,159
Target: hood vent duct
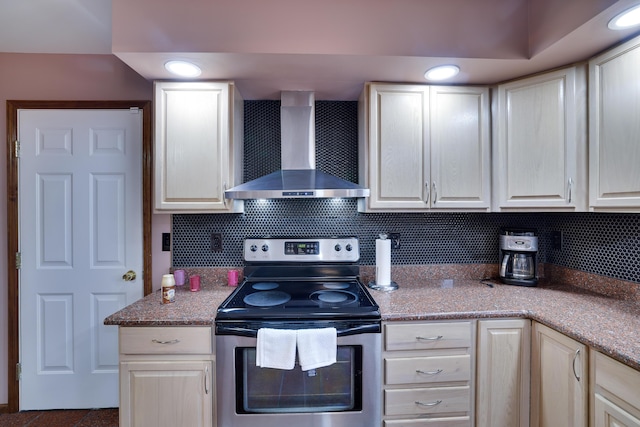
x,y
298,177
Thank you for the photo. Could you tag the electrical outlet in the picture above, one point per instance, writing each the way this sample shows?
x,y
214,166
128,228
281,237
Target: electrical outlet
x,y
395,240
216,242
556,240
166,242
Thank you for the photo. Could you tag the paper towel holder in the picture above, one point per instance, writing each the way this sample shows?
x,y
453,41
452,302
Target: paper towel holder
x,y
392,286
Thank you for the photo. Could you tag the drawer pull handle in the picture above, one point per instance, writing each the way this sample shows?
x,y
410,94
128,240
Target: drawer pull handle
x,y
436,338
436,403
165,342
436,372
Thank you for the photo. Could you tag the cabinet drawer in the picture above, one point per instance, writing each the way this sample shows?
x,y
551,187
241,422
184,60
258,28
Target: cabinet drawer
x,y
436,400
166,340
414,370
431,422
618,379
425,336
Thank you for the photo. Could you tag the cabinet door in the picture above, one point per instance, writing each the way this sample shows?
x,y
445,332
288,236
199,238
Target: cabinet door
x,y
608,414
503,373
460,148
540,149
397,147
193,146
559,389
615,392
614,108
166,394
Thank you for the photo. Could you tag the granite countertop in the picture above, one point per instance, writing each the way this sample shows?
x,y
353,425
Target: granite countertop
x,y
609,324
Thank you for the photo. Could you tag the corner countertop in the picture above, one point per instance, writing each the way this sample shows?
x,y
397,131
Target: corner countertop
x,y
610,325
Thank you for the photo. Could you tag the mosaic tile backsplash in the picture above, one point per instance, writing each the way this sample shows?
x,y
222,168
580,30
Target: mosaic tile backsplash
x,y
606,244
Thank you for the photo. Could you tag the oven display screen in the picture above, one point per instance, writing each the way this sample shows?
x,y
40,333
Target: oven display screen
x,y
301,248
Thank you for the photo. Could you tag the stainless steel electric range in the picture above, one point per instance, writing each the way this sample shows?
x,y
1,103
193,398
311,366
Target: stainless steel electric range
x,y
293,284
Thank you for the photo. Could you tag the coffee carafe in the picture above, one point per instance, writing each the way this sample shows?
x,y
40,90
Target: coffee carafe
x,y
518,250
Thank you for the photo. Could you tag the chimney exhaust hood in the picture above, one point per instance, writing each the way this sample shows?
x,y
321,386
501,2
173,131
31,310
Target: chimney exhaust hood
x,y
298,177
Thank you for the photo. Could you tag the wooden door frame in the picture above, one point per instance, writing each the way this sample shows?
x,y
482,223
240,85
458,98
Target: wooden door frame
x,y
13,338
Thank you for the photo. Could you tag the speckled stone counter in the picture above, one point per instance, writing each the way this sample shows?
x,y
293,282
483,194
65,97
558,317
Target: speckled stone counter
x,y
610,323
190,308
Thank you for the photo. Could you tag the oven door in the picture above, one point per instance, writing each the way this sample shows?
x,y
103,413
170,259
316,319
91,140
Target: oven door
x,y
346,393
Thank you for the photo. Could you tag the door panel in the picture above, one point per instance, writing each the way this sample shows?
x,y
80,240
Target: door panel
x,y
80,188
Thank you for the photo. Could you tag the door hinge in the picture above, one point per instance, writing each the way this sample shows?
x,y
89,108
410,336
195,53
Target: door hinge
x,y
18,371
16,148
18,260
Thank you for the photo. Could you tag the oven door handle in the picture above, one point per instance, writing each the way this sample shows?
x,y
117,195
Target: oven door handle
x,y
373,328
252,332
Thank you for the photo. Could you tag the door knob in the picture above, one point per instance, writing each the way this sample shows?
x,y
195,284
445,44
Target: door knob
x,y
129,276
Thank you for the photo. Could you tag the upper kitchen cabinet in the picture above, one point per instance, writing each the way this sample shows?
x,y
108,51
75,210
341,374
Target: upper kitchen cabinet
x,y
614,129
198,146
540,146
424,148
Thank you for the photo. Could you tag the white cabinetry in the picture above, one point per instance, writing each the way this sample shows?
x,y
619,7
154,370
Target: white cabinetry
x,y
540,145
198,146
616,393
614,108
424,148
166,377
559,367
428,372
503,360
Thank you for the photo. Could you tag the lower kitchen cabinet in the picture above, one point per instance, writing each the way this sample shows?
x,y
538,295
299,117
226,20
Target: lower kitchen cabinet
x,y
616,393
166,377
559,380
503,361
428,373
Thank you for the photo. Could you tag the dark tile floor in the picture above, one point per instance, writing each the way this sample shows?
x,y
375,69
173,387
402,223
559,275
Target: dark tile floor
x,y
67,418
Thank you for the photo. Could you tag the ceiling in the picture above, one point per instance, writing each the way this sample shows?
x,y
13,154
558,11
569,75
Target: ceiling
x,y
331,46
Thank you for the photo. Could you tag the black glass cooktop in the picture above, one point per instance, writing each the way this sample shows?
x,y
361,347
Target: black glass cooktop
x,y
299,299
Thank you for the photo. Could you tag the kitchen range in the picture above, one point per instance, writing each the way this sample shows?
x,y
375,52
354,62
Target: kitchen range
x,y
299,341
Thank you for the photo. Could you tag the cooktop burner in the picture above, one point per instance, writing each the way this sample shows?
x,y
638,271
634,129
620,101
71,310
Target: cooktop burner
x,y
266,298
264,286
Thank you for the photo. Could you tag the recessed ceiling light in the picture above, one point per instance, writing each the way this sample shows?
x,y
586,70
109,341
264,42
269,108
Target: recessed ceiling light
x,y
441,72
628,18
183,68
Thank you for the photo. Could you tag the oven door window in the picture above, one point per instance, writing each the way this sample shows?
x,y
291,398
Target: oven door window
x,y
334,388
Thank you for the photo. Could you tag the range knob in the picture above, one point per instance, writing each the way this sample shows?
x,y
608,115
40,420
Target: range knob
x,y
349,247
265,247
337,247
253,248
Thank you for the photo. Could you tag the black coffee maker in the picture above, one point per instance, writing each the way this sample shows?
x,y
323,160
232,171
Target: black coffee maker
x,y
518,250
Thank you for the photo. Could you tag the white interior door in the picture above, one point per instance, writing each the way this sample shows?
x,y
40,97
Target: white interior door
x,y
80,201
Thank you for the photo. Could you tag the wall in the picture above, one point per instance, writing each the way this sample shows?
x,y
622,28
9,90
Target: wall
x,y
55,77
606,244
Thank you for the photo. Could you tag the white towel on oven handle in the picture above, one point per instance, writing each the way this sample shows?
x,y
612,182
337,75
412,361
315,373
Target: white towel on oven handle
x,y
317,347
276,348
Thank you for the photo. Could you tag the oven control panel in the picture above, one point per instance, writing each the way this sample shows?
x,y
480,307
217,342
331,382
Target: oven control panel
x,y
326,249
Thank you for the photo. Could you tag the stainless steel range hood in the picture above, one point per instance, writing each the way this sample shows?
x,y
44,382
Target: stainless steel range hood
x,y
298,177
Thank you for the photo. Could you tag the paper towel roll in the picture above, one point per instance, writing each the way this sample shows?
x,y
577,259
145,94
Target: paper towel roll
x,y
383,262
